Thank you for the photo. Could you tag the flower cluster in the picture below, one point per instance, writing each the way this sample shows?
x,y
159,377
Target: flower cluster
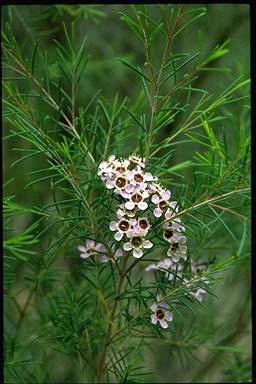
x,y
143,205
142,197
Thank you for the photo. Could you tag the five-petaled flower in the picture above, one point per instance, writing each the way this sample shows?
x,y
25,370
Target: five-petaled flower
x,y
161,313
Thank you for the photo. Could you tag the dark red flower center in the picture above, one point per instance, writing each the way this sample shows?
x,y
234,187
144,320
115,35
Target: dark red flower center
x,y
143,223
136,241
136,198
120,169
162,204
124,225
175,246
121,182
168,234
138,178
160,314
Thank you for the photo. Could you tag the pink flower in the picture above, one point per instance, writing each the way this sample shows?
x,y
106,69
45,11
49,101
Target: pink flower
x,y
122,227
161,201
160,313
137,200
137,243
90,249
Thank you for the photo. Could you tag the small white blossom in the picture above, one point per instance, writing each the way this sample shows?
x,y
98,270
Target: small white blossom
x,y
160,313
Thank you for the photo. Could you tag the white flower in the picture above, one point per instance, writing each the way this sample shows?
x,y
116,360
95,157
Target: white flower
x,y
90,249
161,201
160,313
137,200
137,243
122,227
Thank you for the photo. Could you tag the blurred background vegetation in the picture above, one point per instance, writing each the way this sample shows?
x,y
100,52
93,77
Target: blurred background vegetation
x,y
110,38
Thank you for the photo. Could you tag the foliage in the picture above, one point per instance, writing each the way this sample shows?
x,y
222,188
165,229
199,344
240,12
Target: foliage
x,y
77,320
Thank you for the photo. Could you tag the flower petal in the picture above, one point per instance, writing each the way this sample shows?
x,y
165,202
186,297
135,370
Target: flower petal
x,y
81,248
112,226
157,212
127,246
148,176
118,236
149,267
166,195
143,205
109,184
147,244
129,205
100,247
154,318
163,323
137,253
154,307
84,255
129,188
155,199
90,244
168,316
119,253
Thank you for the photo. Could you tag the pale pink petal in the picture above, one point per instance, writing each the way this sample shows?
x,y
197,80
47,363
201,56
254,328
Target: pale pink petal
x,y
154,307
129,205
181,239
176,258
129,188
127,246
142,205
143,186
109,184
148,176
137,229
163,305
130,233
155,199
166,263
81,248
111,158
104,259
157,212
168,214
154,318
145,194
124,194
118,236
100,247
149,267
119,253
166,195
147,244
133,221
130,175
168,316
163,323
119,214
90,244
112,226
84,255
137,253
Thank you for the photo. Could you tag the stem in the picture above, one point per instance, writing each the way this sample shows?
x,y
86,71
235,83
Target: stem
x,y
154,103
23,313
109,329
